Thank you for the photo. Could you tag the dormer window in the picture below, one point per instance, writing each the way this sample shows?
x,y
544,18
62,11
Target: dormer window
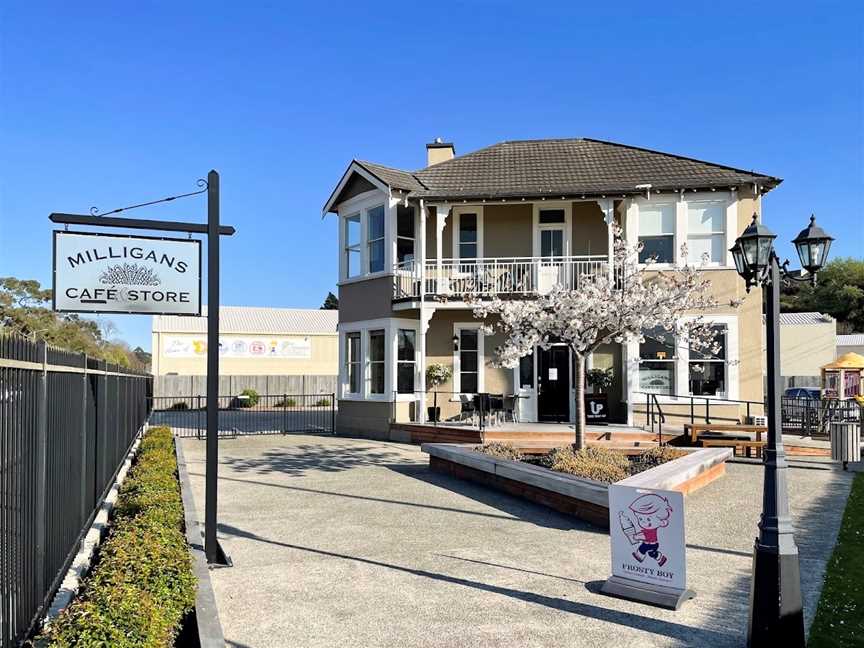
x,y
352,245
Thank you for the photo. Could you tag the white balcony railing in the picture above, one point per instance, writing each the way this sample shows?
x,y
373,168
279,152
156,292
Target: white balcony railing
x,y
493,276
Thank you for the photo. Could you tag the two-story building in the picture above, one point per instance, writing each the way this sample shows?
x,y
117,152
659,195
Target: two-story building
x,y
513,220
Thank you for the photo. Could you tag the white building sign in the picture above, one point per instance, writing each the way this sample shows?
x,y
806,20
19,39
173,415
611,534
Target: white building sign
x,y
649,558
96,273
239,347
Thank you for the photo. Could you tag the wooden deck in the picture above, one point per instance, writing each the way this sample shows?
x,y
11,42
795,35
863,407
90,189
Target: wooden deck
x,y
529,437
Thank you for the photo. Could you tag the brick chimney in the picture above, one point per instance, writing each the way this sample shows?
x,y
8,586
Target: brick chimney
x,y
439,151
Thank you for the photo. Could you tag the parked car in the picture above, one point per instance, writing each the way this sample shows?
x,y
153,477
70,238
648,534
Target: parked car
x,y
802,392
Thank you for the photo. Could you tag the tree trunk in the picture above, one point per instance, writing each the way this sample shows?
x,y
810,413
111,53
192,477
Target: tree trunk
x,y
579,409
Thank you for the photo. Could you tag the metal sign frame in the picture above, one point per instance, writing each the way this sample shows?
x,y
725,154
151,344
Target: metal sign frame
x,y
121,312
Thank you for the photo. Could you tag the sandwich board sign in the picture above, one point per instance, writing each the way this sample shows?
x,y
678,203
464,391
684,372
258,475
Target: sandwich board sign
x,y
99,273
649,558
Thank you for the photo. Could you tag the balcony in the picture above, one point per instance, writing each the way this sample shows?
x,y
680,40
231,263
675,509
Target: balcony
x,y
491,277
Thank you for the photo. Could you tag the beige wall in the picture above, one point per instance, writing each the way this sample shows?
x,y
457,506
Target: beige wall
x,y
507,230
805,348
590,233
324,360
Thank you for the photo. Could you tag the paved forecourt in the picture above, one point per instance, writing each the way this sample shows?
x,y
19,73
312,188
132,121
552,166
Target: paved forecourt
x,y
349,542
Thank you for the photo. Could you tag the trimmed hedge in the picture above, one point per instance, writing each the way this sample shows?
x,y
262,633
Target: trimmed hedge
x,y
142,585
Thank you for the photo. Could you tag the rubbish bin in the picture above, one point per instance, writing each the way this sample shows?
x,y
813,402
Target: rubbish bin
x,y
845,442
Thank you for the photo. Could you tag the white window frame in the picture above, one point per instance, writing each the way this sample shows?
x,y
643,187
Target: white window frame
x,y
680,201
397,237
724,361
414,362
346,386
367,373
672,362
456,215
724,233
682,364
382,239
362,203
458,327
567,225
390,326
350,247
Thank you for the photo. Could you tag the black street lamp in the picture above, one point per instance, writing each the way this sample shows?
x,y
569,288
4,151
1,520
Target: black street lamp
x,y
776,610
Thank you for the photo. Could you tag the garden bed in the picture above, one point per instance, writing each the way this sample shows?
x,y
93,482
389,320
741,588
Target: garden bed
x,y
142,586
585,498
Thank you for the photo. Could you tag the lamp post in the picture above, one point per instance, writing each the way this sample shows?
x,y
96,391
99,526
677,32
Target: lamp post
x,y
776,610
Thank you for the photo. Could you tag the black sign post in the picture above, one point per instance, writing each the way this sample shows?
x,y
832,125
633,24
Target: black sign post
x,y
213,230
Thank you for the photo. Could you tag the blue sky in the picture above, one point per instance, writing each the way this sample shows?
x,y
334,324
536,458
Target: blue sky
x,y
108,104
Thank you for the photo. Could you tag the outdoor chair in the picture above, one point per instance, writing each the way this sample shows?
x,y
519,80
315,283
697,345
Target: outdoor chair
x,y
468,408
509,407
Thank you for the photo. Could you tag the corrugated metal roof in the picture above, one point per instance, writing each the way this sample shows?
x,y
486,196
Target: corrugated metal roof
x,y
249,319
851,339
804,318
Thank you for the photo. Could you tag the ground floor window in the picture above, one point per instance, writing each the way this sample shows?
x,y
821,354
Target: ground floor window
x,y
405,363
352,362
469,360
657,362
707,369
377,366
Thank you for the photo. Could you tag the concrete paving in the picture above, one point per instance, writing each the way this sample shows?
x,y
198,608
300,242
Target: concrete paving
x,y
348,542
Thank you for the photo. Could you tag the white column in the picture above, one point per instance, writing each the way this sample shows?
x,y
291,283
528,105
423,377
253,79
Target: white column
x,y
425,317
608,207
441,212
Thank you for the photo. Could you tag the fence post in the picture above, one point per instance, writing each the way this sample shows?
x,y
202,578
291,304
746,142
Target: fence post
x,y
333,413
84,480
41,467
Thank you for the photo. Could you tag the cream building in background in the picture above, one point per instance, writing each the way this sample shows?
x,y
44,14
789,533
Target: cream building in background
x,y
807,343
258,344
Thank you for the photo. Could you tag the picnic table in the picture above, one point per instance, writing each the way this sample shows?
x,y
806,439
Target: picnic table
x,y
724,435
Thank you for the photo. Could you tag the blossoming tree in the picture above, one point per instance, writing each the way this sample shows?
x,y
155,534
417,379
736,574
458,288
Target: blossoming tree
x,y
606,307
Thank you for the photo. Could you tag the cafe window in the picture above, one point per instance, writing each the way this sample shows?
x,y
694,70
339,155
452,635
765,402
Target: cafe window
x,y
657,362
406,342
375,238
352,245
469,360
657,233
405,234
376,362
352,362
707,366
468,236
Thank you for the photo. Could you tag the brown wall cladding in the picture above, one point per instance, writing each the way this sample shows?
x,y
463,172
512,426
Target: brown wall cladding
x,y
593,513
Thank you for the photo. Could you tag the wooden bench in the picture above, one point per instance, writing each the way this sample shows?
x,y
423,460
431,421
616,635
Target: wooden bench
x,y
742,444
739,446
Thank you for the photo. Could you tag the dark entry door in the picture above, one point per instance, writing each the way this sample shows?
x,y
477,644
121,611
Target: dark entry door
x,y
553,381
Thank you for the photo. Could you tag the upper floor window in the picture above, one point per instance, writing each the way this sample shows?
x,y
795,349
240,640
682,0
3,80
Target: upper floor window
x,y
657,362
405,234
467,236
352,245
657,233
706,231
708,369
375,238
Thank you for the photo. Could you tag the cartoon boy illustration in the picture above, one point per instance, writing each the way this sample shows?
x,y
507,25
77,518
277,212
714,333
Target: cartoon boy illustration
x,y
652,513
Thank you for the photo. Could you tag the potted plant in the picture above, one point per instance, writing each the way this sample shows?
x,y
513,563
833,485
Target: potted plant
x,y
436,375
596,403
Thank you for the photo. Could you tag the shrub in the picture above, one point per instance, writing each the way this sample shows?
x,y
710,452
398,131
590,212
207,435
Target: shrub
x,y
252,399
287,402
600,464
142,584
322,402
182,405
654,457
500,450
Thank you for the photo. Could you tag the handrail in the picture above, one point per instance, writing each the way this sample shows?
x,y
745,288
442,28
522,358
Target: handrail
x,y
652,397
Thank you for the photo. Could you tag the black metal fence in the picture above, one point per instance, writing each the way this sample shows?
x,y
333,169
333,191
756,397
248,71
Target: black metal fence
x,y
239,415
813,417
66,424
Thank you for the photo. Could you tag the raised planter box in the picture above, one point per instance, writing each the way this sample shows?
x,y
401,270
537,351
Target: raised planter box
x,y
586,499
